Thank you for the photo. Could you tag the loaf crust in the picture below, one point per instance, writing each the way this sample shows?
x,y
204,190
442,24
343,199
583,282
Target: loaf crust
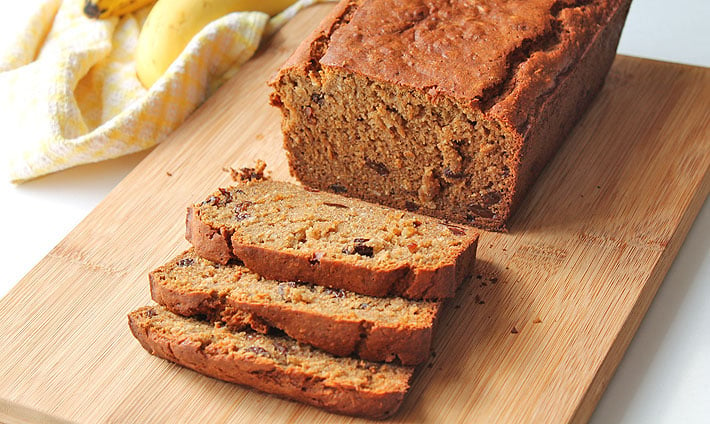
x,y
221,241
500,84
254,370
334,321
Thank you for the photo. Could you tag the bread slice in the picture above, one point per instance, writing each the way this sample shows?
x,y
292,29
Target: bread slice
x,y
289,233
339,322
276,365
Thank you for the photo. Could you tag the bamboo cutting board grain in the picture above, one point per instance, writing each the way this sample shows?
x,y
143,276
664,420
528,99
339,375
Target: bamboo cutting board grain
x,y
534,337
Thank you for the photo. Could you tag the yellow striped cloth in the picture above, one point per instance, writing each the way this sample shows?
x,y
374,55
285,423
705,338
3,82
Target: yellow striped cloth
x,y
69,86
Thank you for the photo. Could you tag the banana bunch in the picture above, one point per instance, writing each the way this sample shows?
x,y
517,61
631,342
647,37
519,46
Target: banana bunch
x,y
171,25
100,9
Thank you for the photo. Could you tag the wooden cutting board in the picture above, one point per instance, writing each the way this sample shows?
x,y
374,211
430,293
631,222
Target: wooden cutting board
x,y
534,337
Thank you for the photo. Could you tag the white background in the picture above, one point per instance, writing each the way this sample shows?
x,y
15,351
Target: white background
x,y
664,376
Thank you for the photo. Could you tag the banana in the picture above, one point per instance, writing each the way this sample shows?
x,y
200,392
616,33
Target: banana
x,y
100,9
171,25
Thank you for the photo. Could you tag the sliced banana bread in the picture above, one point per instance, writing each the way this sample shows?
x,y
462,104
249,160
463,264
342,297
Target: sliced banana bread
x,y
339,322
289,233
448,107
276,365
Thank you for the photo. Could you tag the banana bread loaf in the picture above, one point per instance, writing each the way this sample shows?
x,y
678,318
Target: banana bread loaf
x,y
339,322
449,108
273,364
285,232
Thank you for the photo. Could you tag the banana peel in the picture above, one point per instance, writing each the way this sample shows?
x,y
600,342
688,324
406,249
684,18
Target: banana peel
x,y
171,25
103,9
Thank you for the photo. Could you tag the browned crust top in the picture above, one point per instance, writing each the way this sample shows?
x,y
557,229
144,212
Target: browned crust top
x,y
501,57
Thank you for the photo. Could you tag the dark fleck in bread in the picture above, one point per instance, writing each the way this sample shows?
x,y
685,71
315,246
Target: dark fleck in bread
x,y
339,322
287,233
272,364
449,108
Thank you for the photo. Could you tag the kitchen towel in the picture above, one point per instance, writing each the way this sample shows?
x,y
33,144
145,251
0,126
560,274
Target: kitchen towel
x,y
70,94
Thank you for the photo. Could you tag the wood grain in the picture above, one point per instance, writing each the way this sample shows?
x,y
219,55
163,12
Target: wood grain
x,y
535,337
